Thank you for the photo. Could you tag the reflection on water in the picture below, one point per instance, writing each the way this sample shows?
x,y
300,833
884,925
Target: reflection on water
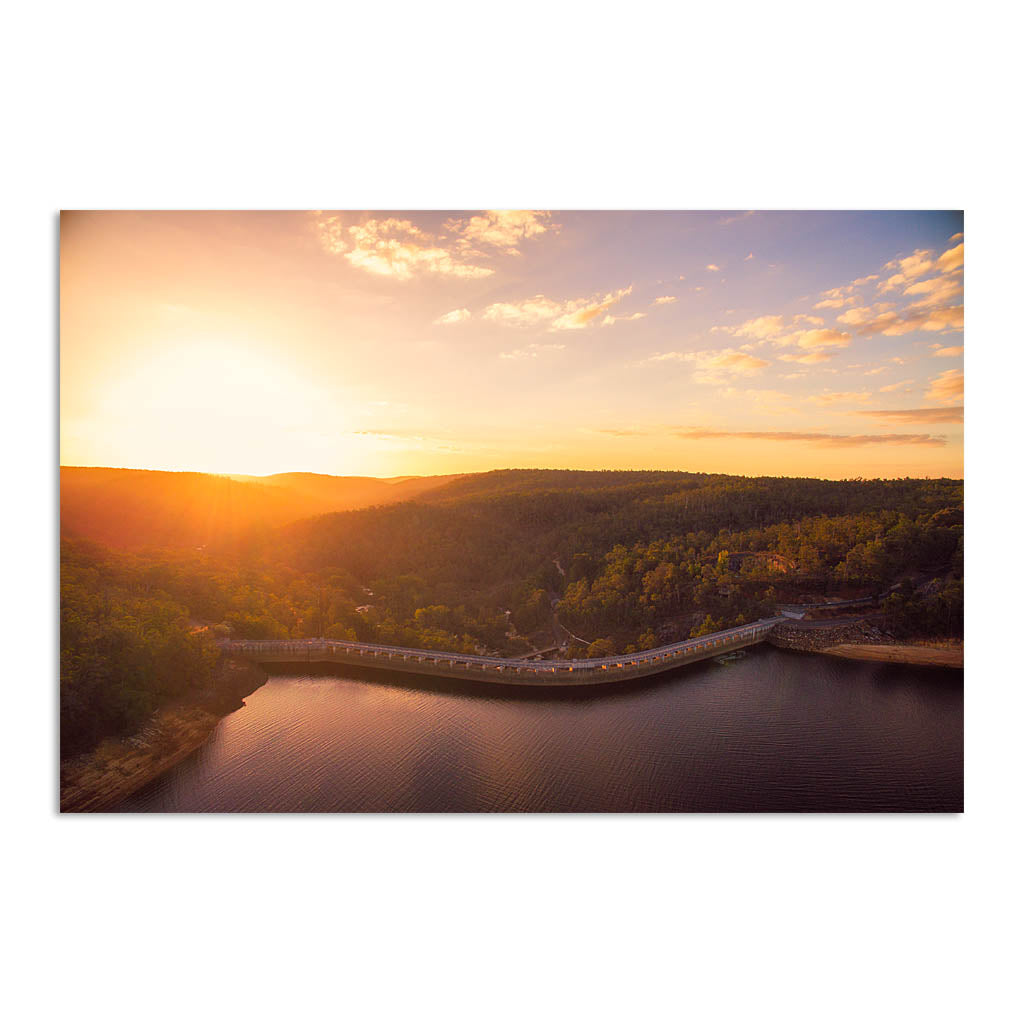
x,y
775,731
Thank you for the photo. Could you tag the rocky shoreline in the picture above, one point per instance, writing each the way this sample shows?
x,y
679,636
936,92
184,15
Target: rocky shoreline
x,y
864,641
101,779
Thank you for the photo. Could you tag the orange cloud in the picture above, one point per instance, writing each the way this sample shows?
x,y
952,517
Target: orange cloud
x,y
808,357
714,366
909,268
947,387
933,415
829,440
869,320
952,259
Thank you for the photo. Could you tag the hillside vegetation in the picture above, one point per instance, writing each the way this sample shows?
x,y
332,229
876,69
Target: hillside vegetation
x,y
503,561
134,509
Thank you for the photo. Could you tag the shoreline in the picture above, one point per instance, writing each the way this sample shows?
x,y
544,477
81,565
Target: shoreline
x,y
99,780
900,654
863,641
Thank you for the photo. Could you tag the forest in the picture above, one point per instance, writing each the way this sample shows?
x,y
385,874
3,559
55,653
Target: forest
x,y
504,562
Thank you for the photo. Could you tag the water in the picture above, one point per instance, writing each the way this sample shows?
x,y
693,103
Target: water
x,y
775,731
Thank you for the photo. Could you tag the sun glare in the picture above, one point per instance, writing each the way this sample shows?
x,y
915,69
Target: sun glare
x,y
218,406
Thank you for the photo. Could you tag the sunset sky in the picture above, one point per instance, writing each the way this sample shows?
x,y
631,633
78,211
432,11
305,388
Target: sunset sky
x,y
394,343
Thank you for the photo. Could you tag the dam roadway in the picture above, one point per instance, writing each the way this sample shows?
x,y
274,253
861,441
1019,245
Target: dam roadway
x,y
503,671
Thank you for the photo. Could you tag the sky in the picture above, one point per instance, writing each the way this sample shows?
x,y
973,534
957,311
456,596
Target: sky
x,y
394,343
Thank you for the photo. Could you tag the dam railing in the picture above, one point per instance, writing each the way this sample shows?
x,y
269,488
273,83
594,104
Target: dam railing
x,y
509,671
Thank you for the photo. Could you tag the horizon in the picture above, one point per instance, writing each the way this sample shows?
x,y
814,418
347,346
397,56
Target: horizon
x,y
504,469
802,344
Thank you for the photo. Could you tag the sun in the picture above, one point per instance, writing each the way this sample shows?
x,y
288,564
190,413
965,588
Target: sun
x,y
214,405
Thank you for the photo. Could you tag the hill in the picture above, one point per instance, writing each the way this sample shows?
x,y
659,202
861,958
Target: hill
x,y
134,509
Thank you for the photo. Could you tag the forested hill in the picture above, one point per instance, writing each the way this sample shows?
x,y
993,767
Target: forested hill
x,y
502,562
493,525
134,509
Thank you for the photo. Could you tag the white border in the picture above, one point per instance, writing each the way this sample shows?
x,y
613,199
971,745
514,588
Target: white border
x,y
718,918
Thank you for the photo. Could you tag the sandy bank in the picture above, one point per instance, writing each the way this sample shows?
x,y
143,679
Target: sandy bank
x,y
904,654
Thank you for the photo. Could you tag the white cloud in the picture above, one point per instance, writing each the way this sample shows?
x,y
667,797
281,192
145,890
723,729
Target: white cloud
x,y
501,229
609,320
454,317
664,300
399,249
573,314
394,247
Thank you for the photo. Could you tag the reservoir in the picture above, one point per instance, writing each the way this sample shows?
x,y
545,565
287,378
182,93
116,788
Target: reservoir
x,y
772,731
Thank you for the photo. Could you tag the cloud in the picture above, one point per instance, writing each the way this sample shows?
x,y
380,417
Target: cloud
x,y
916,265
807,319
826,440
454,317
836,298
952,259
897,386
712,266
947,387
948,352
936,290
664,300
869,320
393,247
946,415
749,256
331,233
956,237
581,312
835,397
530,351
609,320
501,229
818,338
808,357
762,328
573,314
525,313
733,218
714,366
